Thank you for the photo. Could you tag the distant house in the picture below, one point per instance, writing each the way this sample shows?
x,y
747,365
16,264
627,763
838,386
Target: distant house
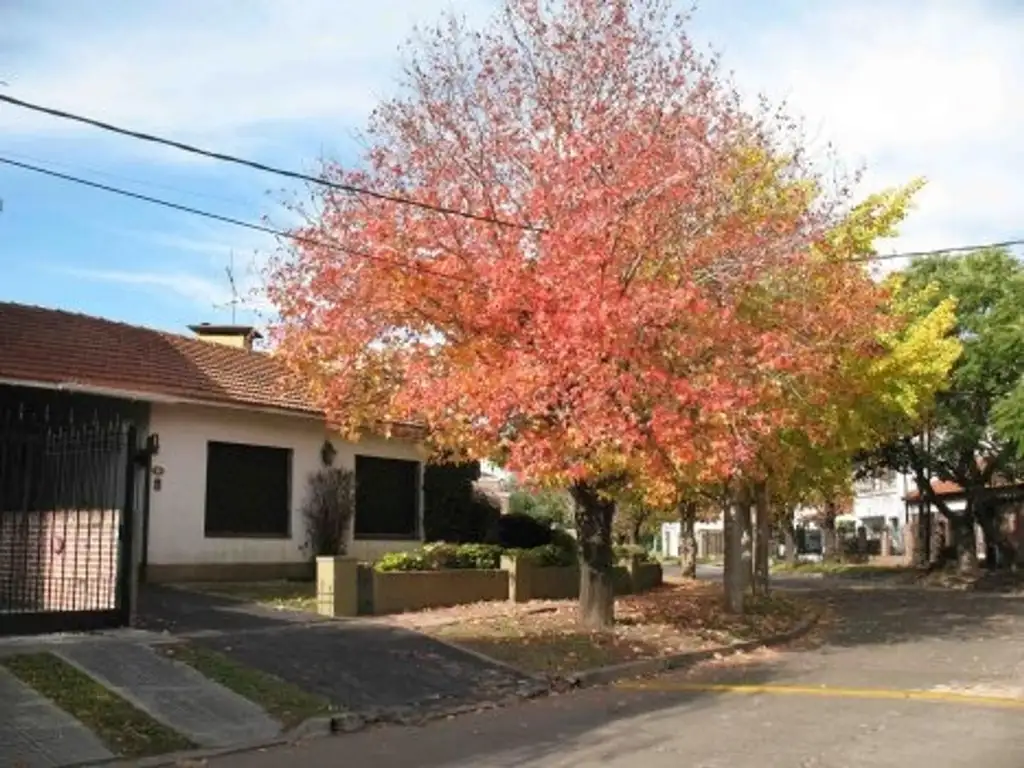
x,y
223,448
494,483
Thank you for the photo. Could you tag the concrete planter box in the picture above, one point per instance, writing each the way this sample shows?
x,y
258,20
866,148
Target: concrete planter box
x,y
399,591
348,589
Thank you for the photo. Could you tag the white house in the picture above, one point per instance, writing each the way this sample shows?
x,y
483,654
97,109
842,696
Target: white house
x,y
230,443
878,502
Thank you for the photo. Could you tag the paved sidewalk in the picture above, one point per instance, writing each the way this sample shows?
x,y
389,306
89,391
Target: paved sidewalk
x,y
173,693
36,734
363,666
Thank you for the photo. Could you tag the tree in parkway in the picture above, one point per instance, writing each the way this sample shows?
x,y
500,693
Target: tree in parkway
x,y
975,430
593,318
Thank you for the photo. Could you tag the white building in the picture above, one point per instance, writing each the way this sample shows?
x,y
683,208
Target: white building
x,y
232,444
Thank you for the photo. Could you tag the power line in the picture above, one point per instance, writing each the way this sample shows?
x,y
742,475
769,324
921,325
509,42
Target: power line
x,y
230,220
940,251
350,188
362,254
119,177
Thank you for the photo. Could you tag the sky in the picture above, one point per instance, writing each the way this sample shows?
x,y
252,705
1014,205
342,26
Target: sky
x,y
904,88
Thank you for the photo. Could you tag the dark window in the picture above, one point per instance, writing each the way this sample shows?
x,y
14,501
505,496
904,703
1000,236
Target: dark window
x,y
387,498
247,490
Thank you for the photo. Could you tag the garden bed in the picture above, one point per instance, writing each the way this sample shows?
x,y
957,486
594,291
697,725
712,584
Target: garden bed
x,y
546,639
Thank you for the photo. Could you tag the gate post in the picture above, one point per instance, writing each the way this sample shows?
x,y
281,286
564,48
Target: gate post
x,y
127,584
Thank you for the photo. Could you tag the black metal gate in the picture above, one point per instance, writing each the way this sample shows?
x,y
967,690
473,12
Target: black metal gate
x,y
66,511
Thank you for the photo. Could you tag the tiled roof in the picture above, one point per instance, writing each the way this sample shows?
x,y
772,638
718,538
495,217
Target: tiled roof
x,y
940,487
947,488
57,347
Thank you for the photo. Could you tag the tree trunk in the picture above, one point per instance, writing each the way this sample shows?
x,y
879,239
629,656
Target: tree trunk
x,y
733,574
762,540
1000,552
747,538
634,533
688,539
789,537
829,537
922,537
965,541
594,516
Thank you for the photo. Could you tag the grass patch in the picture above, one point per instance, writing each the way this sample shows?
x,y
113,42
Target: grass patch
x,y
125,730
847,570
286,703
282,595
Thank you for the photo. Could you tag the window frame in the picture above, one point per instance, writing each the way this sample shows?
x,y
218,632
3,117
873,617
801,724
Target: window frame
x,y
289,468
417,522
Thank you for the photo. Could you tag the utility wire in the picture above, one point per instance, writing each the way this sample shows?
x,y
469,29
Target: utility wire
x,y
320,243
350,188
941,251
230,220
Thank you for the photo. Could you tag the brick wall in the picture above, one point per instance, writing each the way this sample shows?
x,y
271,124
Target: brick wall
x,y
64,560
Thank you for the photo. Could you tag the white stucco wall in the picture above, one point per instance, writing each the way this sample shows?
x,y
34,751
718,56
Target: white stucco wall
x,y
176,512
886,504
670,533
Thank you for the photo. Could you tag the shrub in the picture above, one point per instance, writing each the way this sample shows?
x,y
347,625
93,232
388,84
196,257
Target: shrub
x,y
564,540
441,556
626,551
453,510
548,556
520,531
328,509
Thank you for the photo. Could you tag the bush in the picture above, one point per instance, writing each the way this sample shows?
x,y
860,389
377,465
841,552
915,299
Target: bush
x,y
626,551
547,556
441,556
328,509
453,510
520,531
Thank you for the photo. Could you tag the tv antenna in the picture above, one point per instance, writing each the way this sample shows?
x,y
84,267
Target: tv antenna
x,y
235,300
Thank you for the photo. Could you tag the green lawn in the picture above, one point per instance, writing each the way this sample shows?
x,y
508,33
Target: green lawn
x,y
125,730
286,703
283,595
848,570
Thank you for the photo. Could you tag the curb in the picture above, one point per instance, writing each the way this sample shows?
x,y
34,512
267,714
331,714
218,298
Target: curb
x,y
646,667
532,687
411,715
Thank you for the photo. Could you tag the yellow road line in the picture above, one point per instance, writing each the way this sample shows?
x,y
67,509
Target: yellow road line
x,y
947,697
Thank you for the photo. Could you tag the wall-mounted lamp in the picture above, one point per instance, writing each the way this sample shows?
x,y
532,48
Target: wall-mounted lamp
x,y
327,453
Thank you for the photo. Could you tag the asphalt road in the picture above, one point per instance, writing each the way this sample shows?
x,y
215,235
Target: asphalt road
x,y
899,677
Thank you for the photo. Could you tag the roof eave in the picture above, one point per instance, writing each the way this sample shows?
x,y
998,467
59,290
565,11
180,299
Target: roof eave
x,y
152,397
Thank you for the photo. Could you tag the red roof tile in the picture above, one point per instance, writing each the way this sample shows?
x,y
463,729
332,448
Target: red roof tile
x,y
948,488
57,347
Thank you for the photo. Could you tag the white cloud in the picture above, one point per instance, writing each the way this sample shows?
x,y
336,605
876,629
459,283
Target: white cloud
x,y
932,88
203,68
204,292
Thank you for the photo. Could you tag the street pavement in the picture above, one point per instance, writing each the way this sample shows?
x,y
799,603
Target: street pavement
x,y
895,677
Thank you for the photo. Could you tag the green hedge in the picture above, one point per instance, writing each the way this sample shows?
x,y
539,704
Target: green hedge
x,y
441,556
626,551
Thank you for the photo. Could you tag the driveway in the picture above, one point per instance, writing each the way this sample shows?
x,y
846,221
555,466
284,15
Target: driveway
x,y
365,666
899,677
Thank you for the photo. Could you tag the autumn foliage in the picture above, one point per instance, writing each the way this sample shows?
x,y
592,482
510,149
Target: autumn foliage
x,y
663,285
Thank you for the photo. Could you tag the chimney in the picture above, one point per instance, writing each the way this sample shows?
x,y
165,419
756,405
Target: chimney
x,y
238,336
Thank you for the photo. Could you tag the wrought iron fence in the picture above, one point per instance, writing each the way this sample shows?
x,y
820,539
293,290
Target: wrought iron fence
x,y
65,500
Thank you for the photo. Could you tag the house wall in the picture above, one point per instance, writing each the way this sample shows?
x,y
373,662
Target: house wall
x,y
670,533
178,547
886,504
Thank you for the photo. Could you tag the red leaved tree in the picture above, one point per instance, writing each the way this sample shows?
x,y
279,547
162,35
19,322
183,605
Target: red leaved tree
x,y
597,323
